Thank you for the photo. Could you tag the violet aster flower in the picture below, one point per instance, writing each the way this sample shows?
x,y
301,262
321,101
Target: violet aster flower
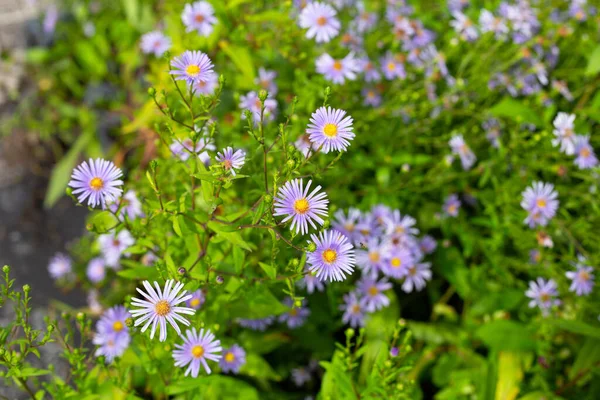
x,y
231,160
333,258
542,294
311,282
562,88
206,87
112,246
96,270
586,158
160,307
452,205
98,181
403,30
373,298
369,69
252,102
330,129
192,66
401,225
337,71
297,316
417,276
301,376
295,203
266,81
183,150
564,130
371,259
457,5
427,244
233,359
130,206
460,148
60,265
465,28
393,66
491,23
199,17
582,279
197,300
111,345
371,97
304,145
366,229
155,42
365,21
50,19
258,324
112,321
492,128
195,350
321,21
354,312
381,213
346,222
396,262
541,202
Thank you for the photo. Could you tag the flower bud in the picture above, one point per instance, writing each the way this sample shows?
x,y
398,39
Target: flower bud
x,y
26,288
6,269
50,328
219,280
129,322
262,95
290,163
181,271
152,91
350,332
311,247
80,317
268,198
394,352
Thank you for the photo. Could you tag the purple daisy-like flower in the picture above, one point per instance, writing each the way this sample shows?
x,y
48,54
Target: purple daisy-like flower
x,y
491,23
186,148
321,21
231,160
206,87
452,206
192,66
582,279
397,262
199,17
346,222
301,376
266,81
460,148
233,359
311,282
337,70
96,270
586,158
370,260
369,69
330,129
354,312
98,181
427,244
295,203
401,225
297,316
155,43
463,25
113,321
113,245
160,307
60,265
304,145
197,300
195,350
333,257
542,294
564,130
416,277
365,21
392,67
371,97
366,229
257,324
252,102
541,202
130,206
372,290
111,345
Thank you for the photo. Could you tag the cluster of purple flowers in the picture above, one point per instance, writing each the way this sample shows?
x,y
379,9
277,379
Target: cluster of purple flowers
x,y
571,143
112,334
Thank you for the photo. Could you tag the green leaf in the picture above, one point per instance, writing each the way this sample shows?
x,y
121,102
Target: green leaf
x,y
242,59
337,384
258,302
506,335
258,367
215,387
269,269
102,222
593,66
140,273
510,375
587,358
578,327
514,109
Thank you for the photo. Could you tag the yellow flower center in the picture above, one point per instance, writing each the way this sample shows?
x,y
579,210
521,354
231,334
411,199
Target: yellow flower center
x,y
192,70
97,183
569,132
365,231
329,256
544,297
162,308
337,65
374,256
396,262
541,203
585,152
584,276
399,229
330,130
391,66
356,309
373,290
118,326
349,227
412,271
227,164
229,357
197,351
199,18
195,302
301,206
451,209
321,21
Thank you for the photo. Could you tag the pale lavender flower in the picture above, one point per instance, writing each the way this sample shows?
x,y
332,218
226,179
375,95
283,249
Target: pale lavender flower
x,y
113,246
586,158
199,17
369,69
564,130
366,229
338,70
417,277
534,256
465,28
257,324
206,87
393,66
452,205
354,312
113,320
311,282
233,359
97,181
148,259
321,21
295,317
295,203
160,307
490,23
231,160
372,296
457,5
252,102
492,128
427,244
365,21
111,345
396,262
582,279
155,42
541,202
381,213
266,81
562,88
93,303
192,66
300,376
333,257
197,347
542,294
183,150
401,225
304,145
330,129
460,148
371,260
50,19
96,270
197,300
130,206
403,30
60,266
371,97
346,222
